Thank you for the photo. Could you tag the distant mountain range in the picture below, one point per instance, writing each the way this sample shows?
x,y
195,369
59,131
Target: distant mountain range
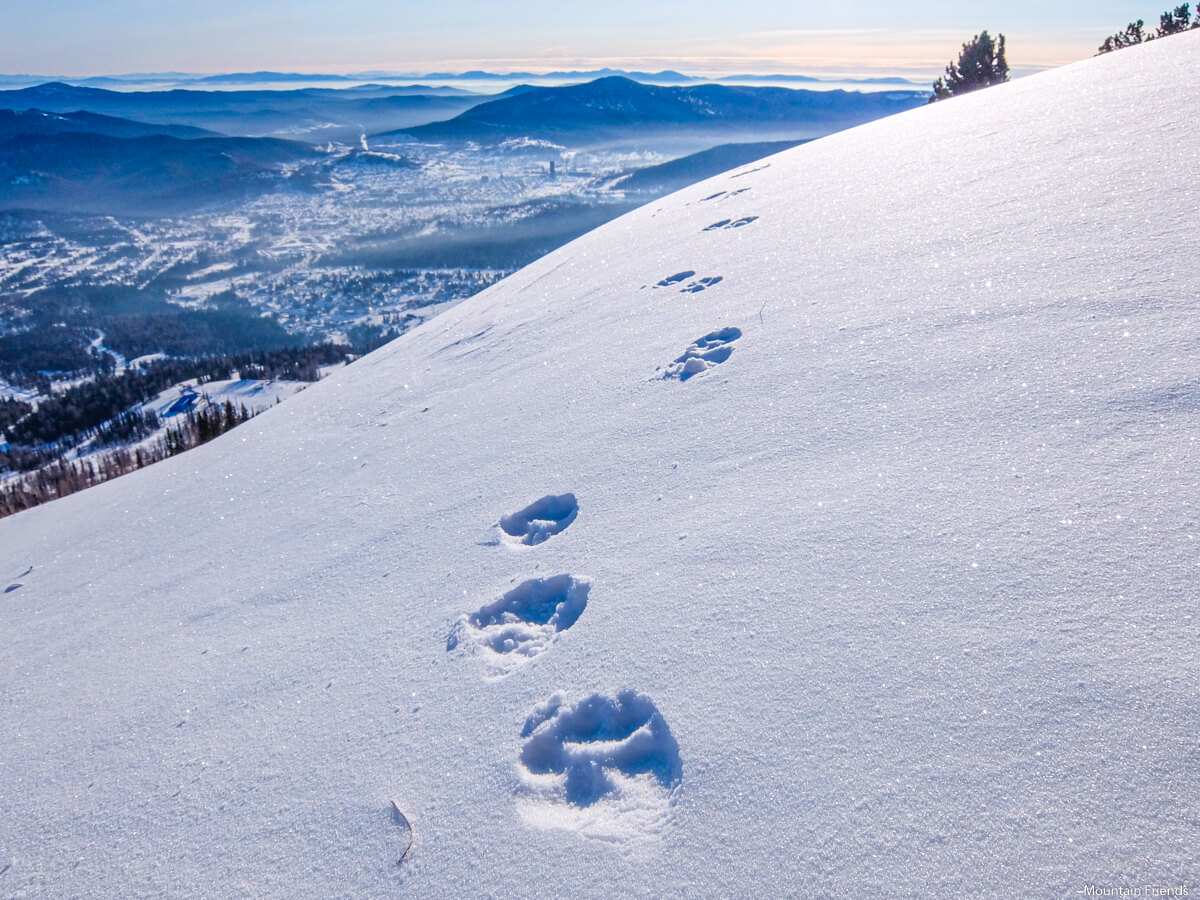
x,y
667,76
39,122
137,172
79,149
314,114
617,109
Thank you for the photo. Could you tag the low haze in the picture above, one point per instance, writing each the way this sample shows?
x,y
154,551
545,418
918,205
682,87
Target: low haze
x,y
706,37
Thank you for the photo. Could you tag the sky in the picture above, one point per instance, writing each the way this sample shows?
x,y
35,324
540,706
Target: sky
x,y
708,37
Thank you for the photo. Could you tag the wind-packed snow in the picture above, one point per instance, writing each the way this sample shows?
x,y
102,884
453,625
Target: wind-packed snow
x,y
896,595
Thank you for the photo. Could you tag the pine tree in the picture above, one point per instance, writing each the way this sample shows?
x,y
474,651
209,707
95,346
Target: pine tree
x,y
1175,21
1134,33
981,63
1169,22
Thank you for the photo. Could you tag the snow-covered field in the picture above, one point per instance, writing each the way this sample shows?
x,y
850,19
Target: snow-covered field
x,y
878,575
12,392
172,405
255,394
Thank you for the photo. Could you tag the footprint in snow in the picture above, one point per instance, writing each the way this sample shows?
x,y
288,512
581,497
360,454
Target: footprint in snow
x,y
692,287
704,353
731,223
675,279
613,757
540,520
727,194
700,284
512,630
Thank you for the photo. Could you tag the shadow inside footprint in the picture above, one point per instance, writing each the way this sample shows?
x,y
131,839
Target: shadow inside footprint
x,y
599,742
704,353
557,601
540,520
731,223
675,279
525,620
700,284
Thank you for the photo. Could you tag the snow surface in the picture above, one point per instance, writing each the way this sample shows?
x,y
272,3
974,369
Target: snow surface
x,y
898,599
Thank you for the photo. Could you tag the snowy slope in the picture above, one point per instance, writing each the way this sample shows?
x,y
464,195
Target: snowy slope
x,y
903,591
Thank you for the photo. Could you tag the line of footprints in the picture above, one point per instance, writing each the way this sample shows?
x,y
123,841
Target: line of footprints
x,y
600,748
715,347
619,749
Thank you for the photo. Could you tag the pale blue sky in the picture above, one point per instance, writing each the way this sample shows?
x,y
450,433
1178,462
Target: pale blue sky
x,y
702,36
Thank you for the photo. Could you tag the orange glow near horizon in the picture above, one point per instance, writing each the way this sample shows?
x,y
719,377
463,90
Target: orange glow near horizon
x,y
918,55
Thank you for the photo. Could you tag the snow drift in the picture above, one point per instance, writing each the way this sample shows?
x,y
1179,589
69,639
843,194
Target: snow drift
x,y
893,595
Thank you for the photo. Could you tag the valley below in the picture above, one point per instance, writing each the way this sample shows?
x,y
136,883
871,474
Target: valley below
x,y
135,237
